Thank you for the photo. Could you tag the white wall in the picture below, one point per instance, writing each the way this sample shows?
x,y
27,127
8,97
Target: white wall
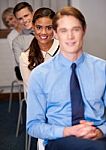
x,y
6,64
95,14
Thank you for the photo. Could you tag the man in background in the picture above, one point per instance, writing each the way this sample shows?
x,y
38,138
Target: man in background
x,y
24,13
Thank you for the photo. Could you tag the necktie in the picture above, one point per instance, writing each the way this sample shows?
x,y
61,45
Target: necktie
x,y
76,98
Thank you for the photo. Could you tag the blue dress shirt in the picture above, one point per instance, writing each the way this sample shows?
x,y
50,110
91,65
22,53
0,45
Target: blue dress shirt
x,y
49,102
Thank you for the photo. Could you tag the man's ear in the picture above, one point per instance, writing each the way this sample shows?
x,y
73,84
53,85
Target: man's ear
x,y
85,31
55,34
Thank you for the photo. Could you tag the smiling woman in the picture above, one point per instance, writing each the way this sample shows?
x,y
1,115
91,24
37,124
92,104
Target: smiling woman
x,y
8,18
43,46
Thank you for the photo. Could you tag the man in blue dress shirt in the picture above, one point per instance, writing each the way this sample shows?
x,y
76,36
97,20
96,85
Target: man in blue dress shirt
x,y
49,111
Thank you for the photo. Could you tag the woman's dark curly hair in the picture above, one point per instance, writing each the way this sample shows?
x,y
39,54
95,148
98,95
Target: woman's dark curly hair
x,y
35,55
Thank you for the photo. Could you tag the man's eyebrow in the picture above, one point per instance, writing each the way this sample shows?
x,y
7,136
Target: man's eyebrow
x,y
63,28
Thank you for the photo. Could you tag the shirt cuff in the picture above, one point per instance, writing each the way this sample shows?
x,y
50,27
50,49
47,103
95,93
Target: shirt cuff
x,y
103,129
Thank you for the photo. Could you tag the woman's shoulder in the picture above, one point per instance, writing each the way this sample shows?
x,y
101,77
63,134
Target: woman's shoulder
x,y
13,34
24,55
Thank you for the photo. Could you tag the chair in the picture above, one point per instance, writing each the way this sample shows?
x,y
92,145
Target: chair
x,y
20,112
21,101
40,145
19,84
28,137
19,117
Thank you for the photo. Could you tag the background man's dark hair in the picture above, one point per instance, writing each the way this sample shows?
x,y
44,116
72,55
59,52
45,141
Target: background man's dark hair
x,y
22,5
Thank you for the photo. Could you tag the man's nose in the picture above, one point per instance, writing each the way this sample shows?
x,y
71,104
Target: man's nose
x,y
70,35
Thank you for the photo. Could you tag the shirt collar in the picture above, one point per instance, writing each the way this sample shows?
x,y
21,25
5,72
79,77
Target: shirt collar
x,y
28,31
53,48
64,61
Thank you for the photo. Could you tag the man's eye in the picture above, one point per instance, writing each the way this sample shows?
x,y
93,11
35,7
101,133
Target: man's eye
x,y
38,27
26,15
77,29
63,31
19,19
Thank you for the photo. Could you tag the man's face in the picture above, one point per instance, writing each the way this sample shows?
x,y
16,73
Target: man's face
x,y
70,35
25,17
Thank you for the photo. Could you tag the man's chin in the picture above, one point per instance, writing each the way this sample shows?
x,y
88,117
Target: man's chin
x,y
27,27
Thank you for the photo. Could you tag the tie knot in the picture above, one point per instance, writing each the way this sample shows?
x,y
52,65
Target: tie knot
x,y
73,66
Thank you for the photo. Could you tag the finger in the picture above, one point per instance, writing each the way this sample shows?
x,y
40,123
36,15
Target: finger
x,y
86,122
87,131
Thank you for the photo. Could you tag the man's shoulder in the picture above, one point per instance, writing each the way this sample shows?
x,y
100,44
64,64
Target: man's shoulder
x,y
22,41
46,66
24,57
93,58
95,61
25,54
21,37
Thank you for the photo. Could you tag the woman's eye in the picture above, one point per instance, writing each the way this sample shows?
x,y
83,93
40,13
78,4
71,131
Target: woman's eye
x,y
49,27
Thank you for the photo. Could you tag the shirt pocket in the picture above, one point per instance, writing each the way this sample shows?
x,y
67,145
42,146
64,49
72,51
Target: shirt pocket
x,y
59,99
93,98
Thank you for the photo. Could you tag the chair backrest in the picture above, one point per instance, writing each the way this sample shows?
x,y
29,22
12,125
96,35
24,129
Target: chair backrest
x,y
40,144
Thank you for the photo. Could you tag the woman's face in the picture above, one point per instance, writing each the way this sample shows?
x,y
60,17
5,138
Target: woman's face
x,y
11,21
43,30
